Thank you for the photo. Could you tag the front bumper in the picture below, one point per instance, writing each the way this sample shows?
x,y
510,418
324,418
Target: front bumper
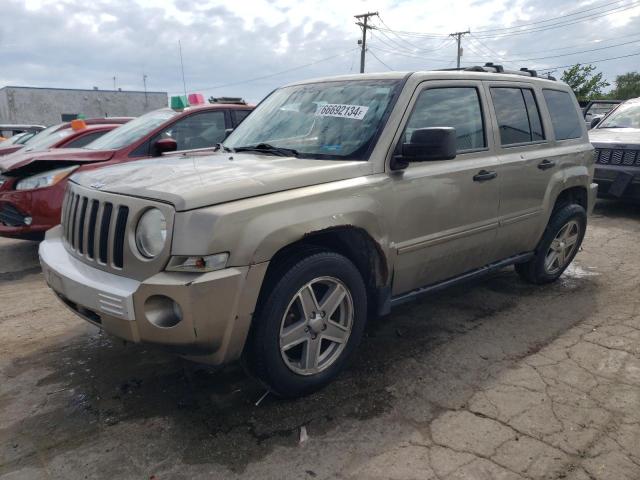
x,y
215,308
41,206
606,175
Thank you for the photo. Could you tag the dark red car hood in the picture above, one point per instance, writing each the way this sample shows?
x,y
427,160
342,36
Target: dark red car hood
x,y
9,149
19,160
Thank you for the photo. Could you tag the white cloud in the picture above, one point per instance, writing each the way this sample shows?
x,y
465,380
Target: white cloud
x,y
73,43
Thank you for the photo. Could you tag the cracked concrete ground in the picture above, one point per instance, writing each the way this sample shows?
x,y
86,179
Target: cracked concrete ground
x,y
493,380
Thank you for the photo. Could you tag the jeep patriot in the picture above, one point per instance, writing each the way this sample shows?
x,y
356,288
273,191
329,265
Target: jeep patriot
x,y
335,200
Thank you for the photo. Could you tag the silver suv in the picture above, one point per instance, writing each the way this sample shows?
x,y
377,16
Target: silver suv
x,y
335,200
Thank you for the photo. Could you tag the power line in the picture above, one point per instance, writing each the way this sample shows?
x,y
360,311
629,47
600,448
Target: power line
x,y
589,62
415,34
376,57
395,47
408,55
275,74
487,48
596,41
412,46
487,33
575,53
576,12
561,24
391,42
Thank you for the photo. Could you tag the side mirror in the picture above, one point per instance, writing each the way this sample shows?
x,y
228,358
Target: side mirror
x,y
595,121
427,144
165,145
227,132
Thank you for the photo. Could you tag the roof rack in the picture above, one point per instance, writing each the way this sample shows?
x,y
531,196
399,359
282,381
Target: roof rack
x,y
231,100
495,68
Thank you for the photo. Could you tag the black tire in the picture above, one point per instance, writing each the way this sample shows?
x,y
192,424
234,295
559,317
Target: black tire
x,y
534,270
263,357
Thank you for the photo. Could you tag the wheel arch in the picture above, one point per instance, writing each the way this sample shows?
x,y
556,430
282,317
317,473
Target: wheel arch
x,y
353,242
572,195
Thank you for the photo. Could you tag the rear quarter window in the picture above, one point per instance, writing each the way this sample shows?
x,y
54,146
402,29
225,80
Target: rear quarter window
x,y
564,116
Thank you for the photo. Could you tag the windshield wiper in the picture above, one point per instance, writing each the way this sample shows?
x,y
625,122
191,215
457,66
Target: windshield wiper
x,y
268,148
221,147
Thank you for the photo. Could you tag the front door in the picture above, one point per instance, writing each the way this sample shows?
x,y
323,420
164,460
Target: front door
x,y
446,212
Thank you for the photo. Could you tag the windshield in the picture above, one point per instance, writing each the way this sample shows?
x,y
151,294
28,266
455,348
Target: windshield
x,y
626,115
333,120
42,142
12,140
132,131
41,134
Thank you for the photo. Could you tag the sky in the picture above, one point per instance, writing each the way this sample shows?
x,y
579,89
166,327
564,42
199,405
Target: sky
x,y
247,48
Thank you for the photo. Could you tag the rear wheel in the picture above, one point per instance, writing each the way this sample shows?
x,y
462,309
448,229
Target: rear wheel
x,y
558,246
308,325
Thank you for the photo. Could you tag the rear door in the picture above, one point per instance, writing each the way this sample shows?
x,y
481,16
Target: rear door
x,y
526,166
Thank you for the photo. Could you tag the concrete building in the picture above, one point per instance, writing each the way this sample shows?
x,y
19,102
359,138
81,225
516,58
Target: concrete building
x,y
47,106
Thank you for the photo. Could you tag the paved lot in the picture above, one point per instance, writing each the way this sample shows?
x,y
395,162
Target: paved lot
x,y
495,380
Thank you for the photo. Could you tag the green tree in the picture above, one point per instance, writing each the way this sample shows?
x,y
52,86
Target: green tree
x,y
627,86
585,82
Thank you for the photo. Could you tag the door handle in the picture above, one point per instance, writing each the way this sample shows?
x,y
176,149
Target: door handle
x,y
484,175
546,164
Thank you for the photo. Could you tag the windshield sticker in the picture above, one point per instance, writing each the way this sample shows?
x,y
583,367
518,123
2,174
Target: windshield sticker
x,y
356,112
332,148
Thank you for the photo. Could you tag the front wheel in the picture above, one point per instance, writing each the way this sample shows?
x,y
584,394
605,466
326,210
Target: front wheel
x,y
309,324
558,247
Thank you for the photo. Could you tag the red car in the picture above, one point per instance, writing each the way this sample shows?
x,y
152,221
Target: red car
x,y
32,186
61,135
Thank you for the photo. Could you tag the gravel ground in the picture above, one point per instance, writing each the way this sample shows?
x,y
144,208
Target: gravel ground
x,y
491,380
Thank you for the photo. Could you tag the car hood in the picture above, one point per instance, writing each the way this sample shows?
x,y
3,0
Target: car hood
x,y
199,181
621,136
21,159
6,150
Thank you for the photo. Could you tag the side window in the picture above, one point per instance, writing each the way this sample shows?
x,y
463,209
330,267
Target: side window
x,y
200,130
239,116
517,114
457,107
84,140
564,116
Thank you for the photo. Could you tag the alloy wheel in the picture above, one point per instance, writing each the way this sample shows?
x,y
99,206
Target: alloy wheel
x,y
316,326
562,248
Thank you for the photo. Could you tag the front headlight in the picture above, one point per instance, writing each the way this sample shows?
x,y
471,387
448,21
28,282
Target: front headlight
x,y
151,233
45,179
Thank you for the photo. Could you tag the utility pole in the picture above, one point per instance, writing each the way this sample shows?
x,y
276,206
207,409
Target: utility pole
x,y
114,82
363,22
458,36
184,84
144,82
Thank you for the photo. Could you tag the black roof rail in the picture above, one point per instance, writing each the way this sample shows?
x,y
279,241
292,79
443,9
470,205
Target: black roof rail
x,y
228,100
491,67
496,68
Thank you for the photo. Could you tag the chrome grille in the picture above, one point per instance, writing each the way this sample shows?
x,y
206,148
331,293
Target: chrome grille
x,y
617,156
99,229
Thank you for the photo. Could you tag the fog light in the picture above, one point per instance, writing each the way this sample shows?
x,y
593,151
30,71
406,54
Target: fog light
x,y
162,311
27,221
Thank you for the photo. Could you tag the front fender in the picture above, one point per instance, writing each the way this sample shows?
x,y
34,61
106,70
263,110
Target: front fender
x,y
253,230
